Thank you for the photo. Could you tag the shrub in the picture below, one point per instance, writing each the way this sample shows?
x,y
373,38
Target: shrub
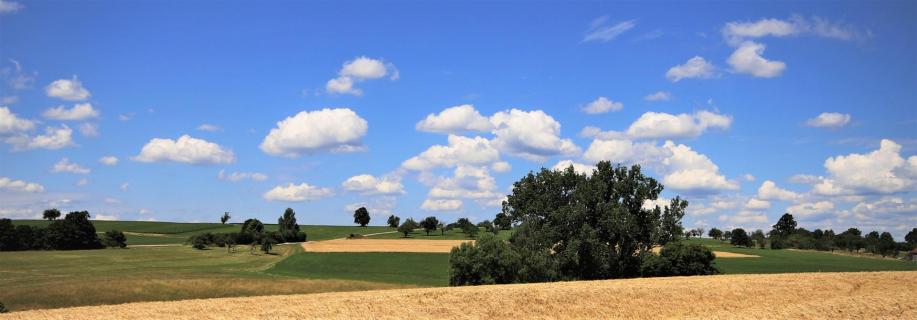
x,y
740,238
74,232
679,259
488,261
115,238
200,241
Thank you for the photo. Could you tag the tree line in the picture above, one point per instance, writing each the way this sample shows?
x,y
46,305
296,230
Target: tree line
x,y
575,226
786,234
252,234
73,232
432,224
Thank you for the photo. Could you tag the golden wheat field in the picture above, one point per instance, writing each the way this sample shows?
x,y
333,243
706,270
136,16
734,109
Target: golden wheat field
x,y
382,245
864,295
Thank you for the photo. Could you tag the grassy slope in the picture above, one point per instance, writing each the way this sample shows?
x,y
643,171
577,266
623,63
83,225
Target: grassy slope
x,y
783,261
51,279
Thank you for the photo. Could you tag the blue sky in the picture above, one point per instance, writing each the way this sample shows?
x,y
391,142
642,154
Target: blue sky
x,y
746,110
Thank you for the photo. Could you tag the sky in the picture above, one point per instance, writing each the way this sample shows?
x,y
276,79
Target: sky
x,y
180,111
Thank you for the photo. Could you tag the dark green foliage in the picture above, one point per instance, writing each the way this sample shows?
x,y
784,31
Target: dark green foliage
x,y
50,214
503,221
911,237
267,244
573,226
252,226
8,238
871,242
393,221
488,226
886,245
759,238
115,239
851,240
740,238
361,216
200,241
289,229
727,235
785,226
74,232
429,224
488,261
678,259
408,226
225,218
471,230
715,233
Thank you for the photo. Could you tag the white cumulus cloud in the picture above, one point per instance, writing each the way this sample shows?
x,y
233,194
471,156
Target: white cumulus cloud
x,y
882,171
602,105
67,89
533,135
10,123
369,185
578,167
357,70
64,165
658,96
310,132
185,150
695,67
19,185
441,204
239,176
829,120
463,118
747,59
659,125
297,193
80,111
770,191
461,150
53,139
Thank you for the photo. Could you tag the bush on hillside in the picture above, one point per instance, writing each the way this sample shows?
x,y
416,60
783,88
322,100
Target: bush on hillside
x,y
487,261
679,259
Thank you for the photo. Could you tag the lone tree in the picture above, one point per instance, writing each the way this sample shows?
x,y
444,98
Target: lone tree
x,y
361,216
872,242
408,226
115,238
429,224
393,221
254,227
715,233
740,238
442,228
224,218
51,214
911,237
289,229
785,227
267,243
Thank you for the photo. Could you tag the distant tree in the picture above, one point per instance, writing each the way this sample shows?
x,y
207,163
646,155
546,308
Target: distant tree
x,y
408,226
429,224
73,232
911,237
464,224
115,238
51,214
471,230
872,242
727,235
288,228
361,216
442,229
199,241
393,221
715,233
487,226
267,244
785,226
8,239
740,238
225,218
886,246
230,242
759,238
851,240
252,227
503,221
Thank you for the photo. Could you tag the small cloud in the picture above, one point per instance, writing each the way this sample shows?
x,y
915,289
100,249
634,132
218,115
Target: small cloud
x,y
109,160
80,111
208,127
89,130
125,186
601,31
7,6
64,165
829,120
602,105
658,96
67,89
695,67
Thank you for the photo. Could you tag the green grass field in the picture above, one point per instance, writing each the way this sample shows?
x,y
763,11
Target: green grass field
x,y
51,279
784,261
424,269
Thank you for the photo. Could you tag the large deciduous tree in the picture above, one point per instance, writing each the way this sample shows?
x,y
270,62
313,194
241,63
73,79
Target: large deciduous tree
x,y
50,214
361,216
429,224
393,221
740,238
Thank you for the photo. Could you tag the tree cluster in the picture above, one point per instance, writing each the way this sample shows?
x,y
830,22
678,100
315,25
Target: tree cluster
x,y
73,232
253,233
574,226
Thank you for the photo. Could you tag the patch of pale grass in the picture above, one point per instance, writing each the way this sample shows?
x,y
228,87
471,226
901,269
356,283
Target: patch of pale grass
x,y
383,245
776,296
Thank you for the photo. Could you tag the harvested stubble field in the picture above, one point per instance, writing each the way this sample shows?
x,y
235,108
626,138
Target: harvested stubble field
x,y
808,295
382,245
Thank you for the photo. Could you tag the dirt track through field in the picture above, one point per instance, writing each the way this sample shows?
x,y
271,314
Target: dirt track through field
x,y
382,245
866,295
